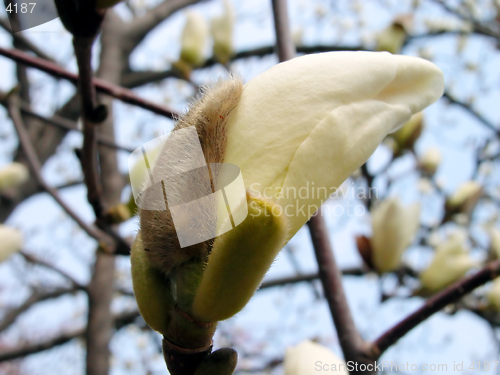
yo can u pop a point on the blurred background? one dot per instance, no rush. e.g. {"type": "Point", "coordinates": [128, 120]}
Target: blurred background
{"type": "Point", "coordinates": [437, 177]}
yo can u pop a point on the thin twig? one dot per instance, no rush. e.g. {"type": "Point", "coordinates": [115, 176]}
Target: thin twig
{"type": "Point", "coordinates": [36, 168]}
{"type": "Point", "coordinates": [37, 296]}
{"type": "Point", "coordinates": [104, 87]}
{"type": "Point", "coordinates": [472, 111]}
{"type": "Point", "coordinates": [433, 305]}
{"type": "Point", "coordinates": [120, 320]}
{"type": "Point", "coordinates": [66, 124]}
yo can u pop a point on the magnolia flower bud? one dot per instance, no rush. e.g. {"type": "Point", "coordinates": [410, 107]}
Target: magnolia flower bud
{"type": "Point", "coordinates": [194, 39]}
{"type": "Point", "coordinates": [325, 114]}
{"type": "Point", "coordinates": [11, 241]}
{"type": "Point", "coordinates": [451, 262]}
{"type": "Point", "coordinates": [464, 199]}
{"type": "Point", "coordinates": [106, 3]}
{"type": "Point", "coordinates": [222, 33]}
{"type": "Point", "coordinates": [495, 241]}
{"type": "Point", "coordinates": [408, 134]}
{"type": "Point", "coordinates": [430, 160]}
{"type": "Point", "coordinates": [13, 175]}
{"type": "Point", "coordinates": [394, 227]}
{"type": "Point", "coordinates": [392, 38]}
{"type": "Point", "coordinates": [307, 358]}
{"type": "Point", "coordinates": [493, 295]}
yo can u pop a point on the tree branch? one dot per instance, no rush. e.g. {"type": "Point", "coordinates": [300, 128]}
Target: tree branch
{"type": "Point", "coordinates": [35, 297]}
{"type": "Point", "coordinates": [120, 320]}
{"type": "Point", "coordinates": [23, 41]}
{"type": "Point", "coordinates": [433, 305]}
{"type": "Point", "coordinates": [36, 169]}
{"type": "Point", "coordinates": [473, 112]}
{"type": "Point", "coordinates": [104, 87]}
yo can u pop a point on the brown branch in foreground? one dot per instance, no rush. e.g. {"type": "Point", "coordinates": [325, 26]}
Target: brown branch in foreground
{"type": "Point", "coordinates": [104, 87]}
{"type": "Point", "coordinates": [36, 168]}
{"type": "Point", "coordinates": [433, 305]}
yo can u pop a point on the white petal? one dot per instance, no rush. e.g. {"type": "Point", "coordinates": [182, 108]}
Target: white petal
{"type": "Point", "coordinates": [317, 118]}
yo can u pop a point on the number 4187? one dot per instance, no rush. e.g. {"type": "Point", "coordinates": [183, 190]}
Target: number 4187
{"type": "Point", "coordinates": [23, 8]}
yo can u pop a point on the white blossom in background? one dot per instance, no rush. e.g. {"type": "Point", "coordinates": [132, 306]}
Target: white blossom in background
{"type": "Point", "coordinates": [430, 160]}
{"type": "Point", "coordinates": [394, 226]}
{"type": "Point", "coordinates": [194, 38]}
{"type": "Point", "coordinates": [13, 175]}
{"type": "Point", "coordinates": [451, 262]}
{"type": "Point", "coordinates": [222, 33]}
{"type": "Point", "coordinates": [307, 358]}
{"type": "Point", "coordinates": [11, 241]}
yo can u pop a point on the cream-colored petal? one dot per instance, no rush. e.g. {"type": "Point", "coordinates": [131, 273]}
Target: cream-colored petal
{"type": "Point", "coordinates": [308, 358]}
{"type": "Point", "coordinates": [319, 117]}
{"type": "Point", "coordinates": [332, 151]}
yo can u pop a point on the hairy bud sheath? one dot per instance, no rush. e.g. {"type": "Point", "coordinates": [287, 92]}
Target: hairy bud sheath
{"type": "Point", "coordinates": [210, 116]}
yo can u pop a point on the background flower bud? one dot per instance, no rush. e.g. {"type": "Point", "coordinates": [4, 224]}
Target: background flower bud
{"type": "Point", "coordinates": [430, 160]}
{"type": "Point", "coordinates": [493, 295]}
{"type": "Point", "coordinates": [392, 38]}
{"type": "Point", "coordinates": [394, 227]}
{"type": "Point", "coordinates": [194, 39]}
{"type": "Point", "coordinates": [451, 262]}
{"type": "Point", "coordinates": [495, 241]}
{"type": "Point", "coordinates": [13, 175]}
{"type": "Point", "coordinates": [406, 136]}
{"type": "Point", "coordinates": [11, 241]}
{"type": "Point", "coordinates": [302, 360]}
{"type": "Point", "coordinates": [464, 199]}
{"type": "Point", "coordinates": [222, 33]}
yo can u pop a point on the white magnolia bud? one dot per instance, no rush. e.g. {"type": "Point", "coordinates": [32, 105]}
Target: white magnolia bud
{"type": "Point", "coordinates": [11, 241]}
{"type": "Point", "coordinates": [493, 294]}
{"type": "Point", "coordinates": [394, 227]}
{"type": "Point", "coordinates": [194, 39]}
{"type": "Point", "coordinates": [222, 33]}
{"type": "Point", "coordinates": [465, 197]}
{"type": "Point", "coordinates": [304, 359]}
{"type": "Point", "coordinates": [451, 262]}
{"type": "Point", "coordinates": [430, 160]}
{"type": "Point", "coordinates": [393, 37]}
{"type": "Point", "coordinates": [495, 241]}
{"type": "Point", "coordinates": [13, 175]}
